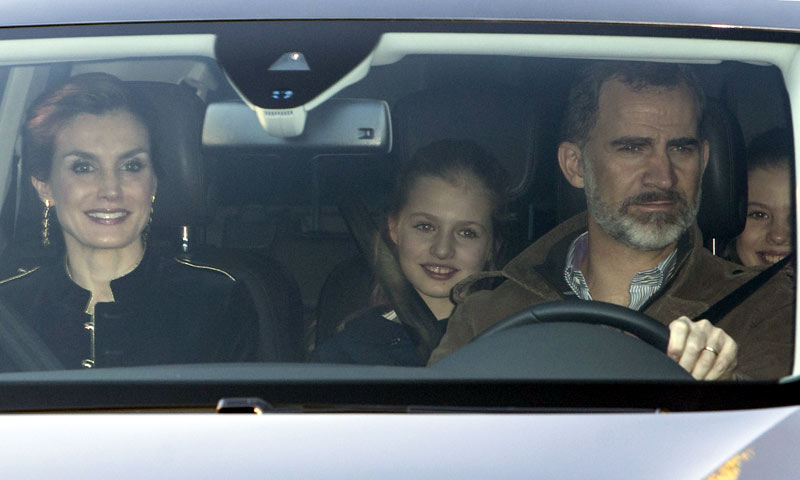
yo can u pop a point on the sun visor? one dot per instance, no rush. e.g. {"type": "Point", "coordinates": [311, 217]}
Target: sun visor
{"type": "Point", "coordinates": [338, 125]}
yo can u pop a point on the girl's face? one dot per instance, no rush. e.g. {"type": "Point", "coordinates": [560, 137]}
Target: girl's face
{"type": "Point", "coordinates": [766, 238]}
{"type": "Point", "coordinates": [101, 181]}
{"type": "Point", "coordinates": [443, 235]}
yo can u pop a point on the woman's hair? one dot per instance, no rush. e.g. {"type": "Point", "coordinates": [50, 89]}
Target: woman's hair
{"type": "Point", "coordinates": [92, 93]}
{"type": "Point", "coordinates": [771, 149]}
{"type": "Point", "coordinates": [456, 161]}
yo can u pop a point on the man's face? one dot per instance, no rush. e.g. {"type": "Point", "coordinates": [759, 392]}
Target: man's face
{"type": "Point", "coordinates": [642, 165]}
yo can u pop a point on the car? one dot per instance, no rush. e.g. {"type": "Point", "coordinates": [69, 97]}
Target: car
{"type": "Point", "coordinates": [280, 129]}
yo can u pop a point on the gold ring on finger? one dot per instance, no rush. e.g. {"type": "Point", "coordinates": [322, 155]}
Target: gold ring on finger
{"type": "Point", "coordinates": [711, 349]}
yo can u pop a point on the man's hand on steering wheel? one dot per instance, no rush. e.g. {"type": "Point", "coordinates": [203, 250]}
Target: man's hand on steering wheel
{"type": "Point", "coordinates": [702, 349]}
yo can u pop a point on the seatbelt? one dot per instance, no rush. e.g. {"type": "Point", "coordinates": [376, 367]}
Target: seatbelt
{"type": "Point", "coordinates": [17, 200]}
{"type": "Point", "coordinates": [411, 310]}
{"type": "Point", "coordinates": [23, 345]}
{"type": "Point", "coordinates": [716, 312]}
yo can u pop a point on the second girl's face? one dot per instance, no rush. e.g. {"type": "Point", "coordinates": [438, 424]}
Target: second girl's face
{"type": "Point", "coordinates": [102, 181]}
{"type": "Point", "coordinates": [767, 236]}
{"type": "Point", "coordinates": [443, 234]}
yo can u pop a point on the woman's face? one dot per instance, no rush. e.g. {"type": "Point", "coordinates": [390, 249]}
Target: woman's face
{"type": "Point", "coordinates": [101, 181]}
{"type": "Point", "coordinates": [766, 238]}
{"type": "Point", "coordinates": [443, 234]}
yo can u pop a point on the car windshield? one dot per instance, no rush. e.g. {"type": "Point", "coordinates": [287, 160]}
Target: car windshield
{"type": "Point", "coordinates": [396, 203]}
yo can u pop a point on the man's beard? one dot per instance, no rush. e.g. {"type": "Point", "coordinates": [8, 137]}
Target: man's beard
{"type": "Point", "coordinates": [642, 231]}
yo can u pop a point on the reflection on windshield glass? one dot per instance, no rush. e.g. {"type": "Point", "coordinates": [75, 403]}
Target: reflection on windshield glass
{"type": "Point", "coordinates": [153, 221]}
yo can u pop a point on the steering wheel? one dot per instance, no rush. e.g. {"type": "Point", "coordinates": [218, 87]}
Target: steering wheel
{"type": "Point", "coordinates": [595, 313]}
{"type": "Point", "coordinates": [563, 341]}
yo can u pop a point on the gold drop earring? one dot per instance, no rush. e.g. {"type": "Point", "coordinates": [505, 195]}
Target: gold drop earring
{"type": "Point", "coordinates": [146, 231]}
{"type": "Point", "coordinates": [46, 224]}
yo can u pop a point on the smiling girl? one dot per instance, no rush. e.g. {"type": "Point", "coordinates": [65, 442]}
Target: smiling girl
{"type": "Point", "coordinates": [448, 204]}
{"type": "Point", "coordinates": [767, 235]}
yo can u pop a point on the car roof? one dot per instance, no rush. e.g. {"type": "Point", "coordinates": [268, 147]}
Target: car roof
{"type": "Point", "coordinates": [768, 14]}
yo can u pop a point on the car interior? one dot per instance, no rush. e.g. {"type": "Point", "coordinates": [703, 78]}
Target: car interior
{"type": "Point", "coordinates": [267, 208]}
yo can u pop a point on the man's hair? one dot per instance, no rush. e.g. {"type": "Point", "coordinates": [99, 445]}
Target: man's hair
{"type": "Point", "coordinates": [582, 105]}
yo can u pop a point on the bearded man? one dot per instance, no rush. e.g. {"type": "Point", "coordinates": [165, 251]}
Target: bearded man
{"type": "Point", "coordinates": [632, 141]}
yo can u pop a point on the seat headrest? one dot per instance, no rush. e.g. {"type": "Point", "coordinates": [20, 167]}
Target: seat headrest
{"type": "Point", "coordinates": [723, 205]}
{"type": "Point", "coordinates": [501, 120]}
{"type": "Point", "coordinates": [176, 127]}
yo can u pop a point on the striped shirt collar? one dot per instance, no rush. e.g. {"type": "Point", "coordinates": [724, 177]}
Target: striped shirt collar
{"type": "Point", "coordinates": [643, 285]}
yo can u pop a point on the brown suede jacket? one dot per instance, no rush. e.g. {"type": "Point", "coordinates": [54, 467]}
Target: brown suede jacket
{"type": "Point", "coordinates": [762, 326]}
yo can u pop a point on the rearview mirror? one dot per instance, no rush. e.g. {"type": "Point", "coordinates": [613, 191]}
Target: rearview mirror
{"type": "Point", "coordinates": [338, 125]}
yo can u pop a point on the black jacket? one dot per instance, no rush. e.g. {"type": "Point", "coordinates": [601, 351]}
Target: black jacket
{"type": "Point", "coordinates": [166, 311]}
{"type": "Point", "coordinates": [371, 339]}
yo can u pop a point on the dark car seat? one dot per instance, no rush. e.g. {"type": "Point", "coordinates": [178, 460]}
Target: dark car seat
{"type": "Point", "coordinates": [501, 120]}
{"type": "Point", "coordinates": [184, 207]}
{"type": "Point", "coordinates": [723, 206]}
